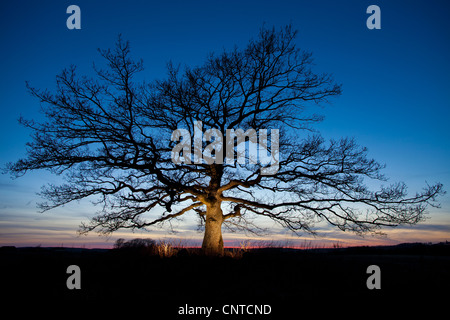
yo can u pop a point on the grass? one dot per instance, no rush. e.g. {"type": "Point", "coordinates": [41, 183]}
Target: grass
{"type": "Point", "coordinates": [173, 248]}
{"type": "Point", "coordinates": [178, 247]}
{"type": "Point", "coordinates": [171, 274]}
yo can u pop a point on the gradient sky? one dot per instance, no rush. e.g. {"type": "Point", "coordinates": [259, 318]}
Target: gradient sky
{"type": "Point", "coordinates": [395, 101]}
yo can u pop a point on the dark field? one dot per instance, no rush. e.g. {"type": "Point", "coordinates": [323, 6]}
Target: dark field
{"type": "Point", "coordinates": [291, 281]}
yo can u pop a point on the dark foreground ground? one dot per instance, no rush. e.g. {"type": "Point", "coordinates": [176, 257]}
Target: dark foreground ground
{"type": "Point", "coordinates": [413, 277]}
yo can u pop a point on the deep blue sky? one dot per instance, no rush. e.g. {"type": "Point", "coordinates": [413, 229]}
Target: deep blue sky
{"type": "Point", "coordinates": [396, 84]}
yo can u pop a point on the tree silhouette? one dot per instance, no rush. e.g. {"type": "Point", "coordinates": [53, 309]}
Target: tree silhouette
{"type": "Point", "coordinates": [111, 137]}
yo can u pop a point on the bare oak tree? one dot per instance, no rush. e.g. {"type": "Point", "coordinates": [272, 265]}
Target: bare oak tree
{"type": "Point", "coordinates": [110, 137]}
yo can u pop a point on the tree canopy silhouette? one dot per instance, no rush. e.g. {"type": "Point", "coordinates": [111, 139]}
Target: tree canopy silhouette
{"type": "Point", "coordinates": [111, 137]}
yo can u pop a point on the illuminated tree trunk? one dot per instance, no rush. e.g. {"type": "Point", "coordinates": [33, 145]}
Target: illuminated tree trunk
{"type": "Point", "coordinates": [212, 240]}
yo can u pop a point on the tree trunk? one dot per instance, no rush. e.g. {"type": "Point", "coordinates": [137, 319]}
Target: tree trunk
{"type": "Point", "coordinates": [212, 240]}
